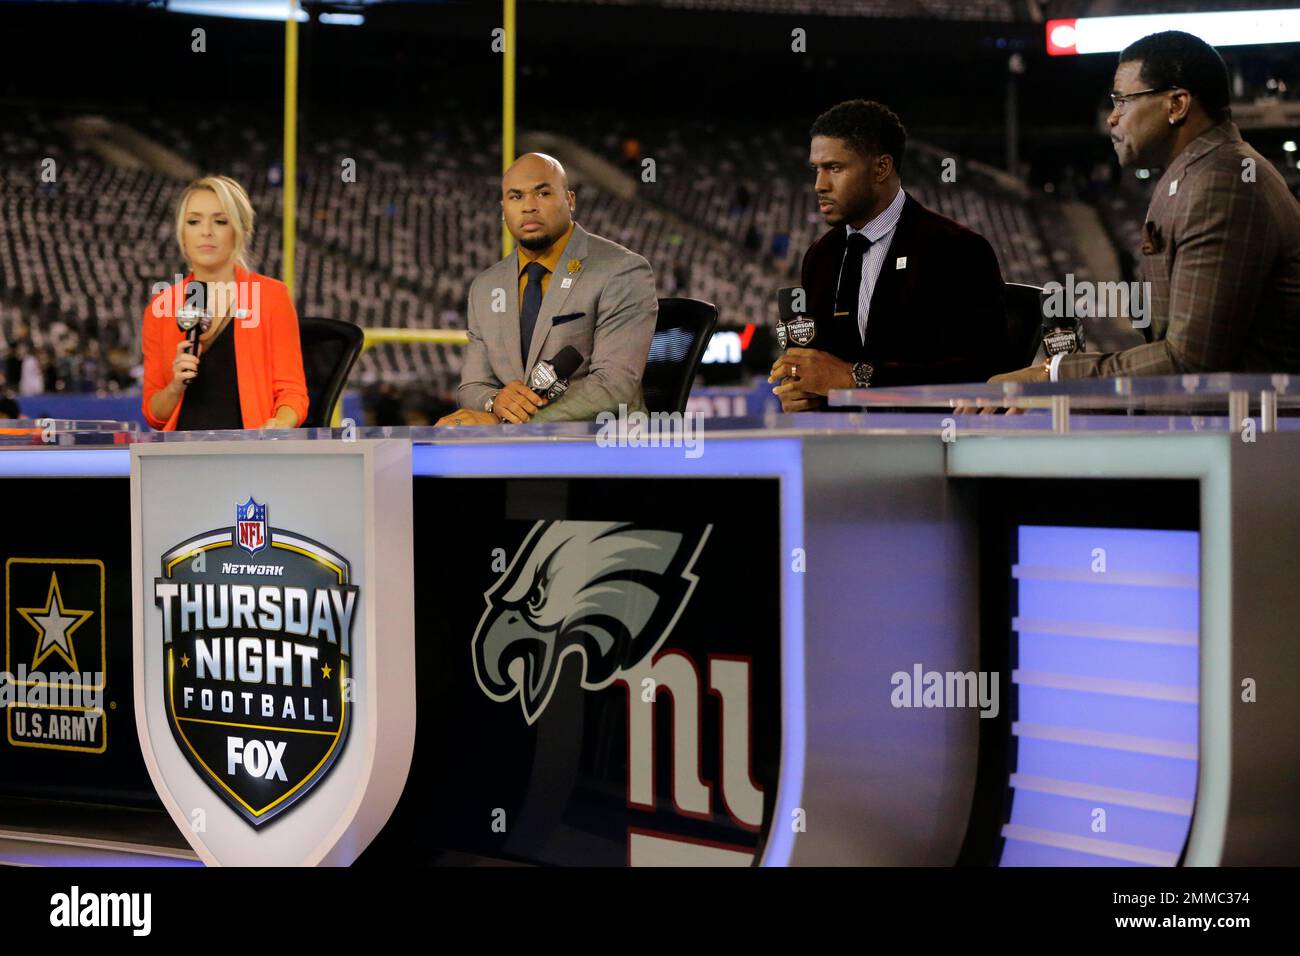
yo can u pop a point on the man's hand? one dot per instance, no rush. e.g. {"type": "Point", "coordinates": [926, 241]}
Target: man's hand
{"type": "Point", "coordinates": [516, 403]}
{"type": "Point", "coordinates": [1034, 373]}
{"type": "Point", "coordinates": [815, 372]}
{"type": "Point", "coordinates": [794, 399]}
{"type": "Point", "coordinates": [467, 416]}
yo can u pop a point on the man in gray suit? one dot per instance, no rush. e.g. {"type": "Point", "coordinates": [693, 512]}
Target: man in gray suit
{"type": "Point", "coordinates": [563, 287]}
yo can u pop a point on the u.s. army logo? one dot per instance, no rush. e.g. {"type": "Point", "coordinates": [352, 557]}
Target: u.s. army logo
{"type": "Point", "coordinates": [256, 660]}
{"type": "Point", "coordinates": [52, 686]}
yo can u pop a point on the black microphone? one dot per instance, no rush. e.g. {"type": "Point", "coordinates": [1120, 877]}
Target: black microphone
{"type": "Point", "coordinates": [1062, 335]}
{"type": "Point", "coordinates": [783, 311]}
{"type": "Point", "coordinates": [551, 379]}
{"type": "Point", "coordinates": [193, 318]}
{"type": "Point", "coordinates": [793, 324]}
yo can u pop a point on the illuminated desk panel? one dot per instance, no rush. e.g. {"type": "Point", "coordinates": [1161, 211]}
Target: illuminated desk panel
{"type": "Point", "coordinates": [868, 553]}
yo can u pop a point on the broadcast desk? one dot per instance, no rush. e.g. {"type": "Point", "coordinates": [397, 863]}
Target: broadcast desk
{"type": "Point", "coordinates": [853, 638]}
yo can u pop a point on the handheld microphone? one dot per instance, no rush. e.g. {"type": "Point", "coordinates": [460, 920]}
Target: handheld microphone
{"type": "Point", "coordinates": [551, 379]}
{"type": "Point", "coordinates": [1062, 335]}
{"type": "Point", "coordinates": [793, 325]}
{"type": "Point", "coordinates": [193, 318]}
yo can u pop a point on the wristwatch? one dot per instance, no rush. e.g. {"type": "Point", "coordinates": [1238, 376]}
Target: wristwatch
{"type": "Point", "coordinates": [862, 373]}
{"type": "Point", "coordinates": [487, 406]}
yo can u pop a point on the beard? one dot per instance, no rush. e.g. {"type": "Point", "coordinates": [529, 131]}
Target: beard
{"type": "Point", "coordinates": [534, 243]}
{"type": "Point", "coordinates": [850, 209]}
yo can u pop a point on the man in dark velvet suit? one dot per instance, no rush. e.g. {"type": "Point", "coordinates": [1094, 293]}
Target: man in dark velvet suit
{"type": "Point", "coordinates": [900, 295]}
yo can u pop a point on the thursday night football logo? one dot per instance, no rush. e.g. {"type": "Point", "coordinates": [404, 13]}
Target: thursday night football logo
{"type": "Point", "coordinates": [256, 645]}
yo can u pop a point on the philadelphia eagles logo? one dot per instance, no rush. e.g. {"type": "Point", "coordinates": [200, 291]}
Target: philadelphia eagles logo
{"type": "Point", "coordinates": [606, 591]}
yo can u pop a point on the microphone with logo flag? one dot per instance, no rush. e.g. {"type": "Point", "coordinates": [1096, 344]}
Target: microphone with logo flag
{"type": "Point", "coordinates": [193, 318]}
{"type": "Point", "coordinates": [550, 379]}
{"type": "Point", "coordinates": [1062, 335]}
{"type": "Point", "coordinates": [793, 324]}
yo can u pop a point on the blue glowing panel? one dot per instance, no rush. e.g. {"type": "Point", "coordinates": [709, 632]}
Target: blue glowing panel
{"type": "Point", "coordinates": [1024, 853]}
{"type": "Point", "coordinates": [1106, 696]}
{"type": "Point", "coordinates": [65, 463]}
{"type": "Point", "coordinates": [1122, 660]}
{"type": "Point", "coordinates": [1095, 768]}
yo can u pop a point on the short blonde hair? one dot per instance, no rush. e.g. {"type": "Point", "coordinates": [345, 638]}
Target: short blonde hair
{"type": "Point", "coordinates": [234, 203]}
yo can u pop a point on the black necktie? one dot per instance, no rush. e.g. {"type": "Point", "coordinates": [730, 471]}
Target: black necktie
{"type": "Point", "coordinates": [846, 297]}
{"type": "Point", "coordinates": [529, 307]}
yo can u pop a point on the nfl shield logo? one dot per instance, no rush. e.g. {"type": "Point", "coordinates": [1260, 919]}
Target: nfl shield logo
{"type": "Point", "coordinates": [250, 526]}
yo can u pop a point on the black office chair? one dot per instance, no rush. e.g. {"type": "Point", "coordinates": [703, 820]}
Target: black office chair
{"type": "Point", "coordinates": [682, 334]}
{"type": "Point", "coordinates": [1024, 309]}
{"type": "Point", "coordinates": [329, 349]}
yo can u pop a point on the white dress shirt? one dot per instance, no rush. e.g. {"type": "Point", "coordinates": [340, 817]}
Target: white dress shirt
{"type": "Point", "coordinates": [1054, 370]}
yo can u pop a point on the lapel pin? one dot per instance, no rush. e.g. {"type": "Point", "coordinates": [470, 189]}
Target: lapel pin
{"type": "Point", "coordinates": [901, 263]}
{"type": "Point", "coordinates": [1173, 186]}
{"type": "Point", "coordinates": [566, 282]}
{"type": "Point", "coordinates": [573, 266]}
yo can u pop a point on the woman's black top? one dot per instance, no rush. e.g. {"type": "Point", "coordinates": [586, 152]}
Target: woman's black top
{"type": "Point", "coordinates": [211, 399]}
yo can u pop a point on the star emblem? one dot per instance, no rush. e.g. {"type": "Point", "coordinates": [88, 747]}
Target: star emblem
{"type": "Point", "coordinates": [185, 660]}
{"type": "Point", "coordinates": [325, 672]}
{"type": "Point", "coordinates": [55, 624]}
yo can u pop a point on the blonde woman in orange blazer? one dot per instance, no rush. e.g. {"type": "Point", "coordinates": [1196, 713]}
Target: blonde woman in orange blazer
{"type": "Point", "coordinates": [251, 355]}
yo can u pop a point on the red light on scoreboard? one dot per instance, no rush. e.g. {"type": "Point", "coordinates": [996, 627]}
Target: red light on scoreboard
{"type": "Point", "coordinates": [1062, 36]}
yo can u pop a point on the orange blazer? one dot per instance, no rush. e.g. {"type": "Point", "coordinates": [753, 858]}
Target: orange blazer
{"type": "Point", "coordinates": [268, 350]}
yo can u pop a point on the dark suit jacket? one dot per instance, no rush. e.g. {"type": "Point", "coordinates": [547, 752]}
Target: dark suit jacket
{"type": "Point", "coordinates": [939, 318]}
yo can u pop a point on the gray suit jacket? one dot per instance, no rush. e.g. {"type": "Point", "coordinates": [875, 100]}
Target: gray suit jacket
{"type": "Point", "coordinates": [607, 312]}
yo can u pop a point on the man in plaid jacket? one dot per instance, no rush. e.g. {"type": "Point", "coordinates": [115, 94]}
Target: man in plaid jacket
{"type": "Point", "coordinates": [1221, 241]}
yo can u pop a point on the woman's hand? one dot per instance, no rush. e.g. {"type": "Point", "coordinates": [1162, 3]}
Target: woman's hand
{"type": "Point", "coordinates": [284, 417]}
{"type": "Point", "coordinates": [184, 366]}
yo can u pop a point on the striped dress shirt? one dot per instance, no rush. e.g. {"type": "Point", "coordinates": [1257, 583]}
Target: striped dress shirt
{"type": "Point", "coordinates": [880, 232]}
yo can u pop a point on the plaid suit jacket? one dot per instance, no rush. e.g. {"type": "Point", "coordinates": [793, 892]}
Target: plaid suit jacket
{"type": "Point", "coordinates": [1221, 252]}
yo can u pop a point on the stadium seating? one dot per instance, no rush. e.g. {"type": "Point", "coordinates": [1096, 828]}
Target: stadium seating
{"type": "Point", "coordinates": [396, 245]}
